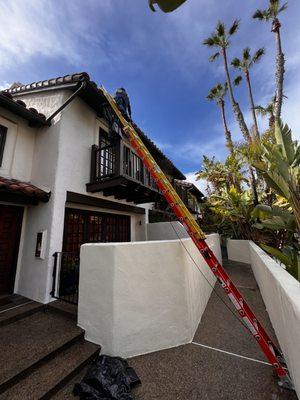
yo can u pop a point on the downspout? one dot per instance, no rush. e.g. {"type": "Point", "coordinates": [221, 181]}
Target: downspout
{"type": "Point", "coordinates": [68, 101]}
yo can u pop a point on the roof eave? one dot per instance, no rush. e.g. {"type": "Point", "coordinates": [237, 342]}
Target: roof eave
{"type": "Point", "coordinates": [33, 119]}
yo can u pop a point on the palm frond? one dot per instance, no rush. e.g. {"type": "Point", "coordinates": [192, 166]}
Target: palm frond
{"type": "Point", "coordinates": [234, 27]}
{"type": "Point", "coordinates": [210, 41]}
{"type": "Point", "coordinates": [261, 15]}
{"type": "Point", "coordinates": [237, 80]}
{"type": "Point", "coordinates": [283, 136]}
{"type": "Point", "coordinates": [246, 53]}
{"type": "Point", "coordinates": [261, 110]}
{"type": "Point", "coordinates": [282, 8]}
{"type": "Point", "coordinates": [236, 62]}
{"type": "Point", "coordinates": [220, 29]}
{"type": "Point", "coordinates": [258, 55]}
{"type": "Point", "coordinates": [213, 57]}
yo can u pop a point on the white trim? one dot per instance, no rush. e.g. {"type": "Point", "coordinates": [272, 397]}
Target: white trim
{"type": "Point", "coordinates": [231, 354]}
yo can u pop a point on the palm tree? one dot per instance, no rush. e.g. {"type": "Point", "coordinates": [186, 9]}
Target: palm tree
{"type": "Point", "coordinates": [217, 94]}
{"type": "Point", "coordinates": [271, 14]}
{"type": "Point", "coordinates": [220, 39]}
{"type": "Point", "coordinates": [244, 64]}
{"type": "Point", "coordinates": [267, 111]}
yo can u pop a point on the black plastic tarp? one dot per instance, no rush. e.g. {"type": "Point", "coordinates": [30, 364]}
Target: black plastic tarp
{"type": "Point", "coordinates": [106, 379]}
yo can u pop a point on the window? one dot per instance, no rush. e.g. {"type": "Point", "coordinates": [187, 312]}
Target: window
{"type": "Point", "coordinates": [107, 155]}
{"type": "Point", "coordinates": [3, 131]}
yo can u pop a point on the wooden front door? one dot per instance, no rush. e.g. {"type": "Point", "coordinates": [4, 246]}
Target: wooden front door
{"type": "Point", "coordinates": [10, 231]}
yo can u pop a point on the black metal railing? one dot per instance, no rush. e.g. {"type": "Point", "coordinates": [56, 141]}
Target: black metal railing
{"type": "Point", "coordinates": [116, 159]}
{"type": "Point", "coordinates": [66, 276]}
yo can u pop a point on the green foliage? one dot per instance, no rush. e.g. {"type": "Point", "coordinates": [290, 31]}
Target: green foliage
{"type": "Point", "coordinates": [234, 206]}
{"type": "Point", "coordinates": [217, 93]}
{"type": "Point", "coordinates": [274, 218]}
{"type": "Point", "coordinates": [279, 164]}
{"type": "Point", "coordinates": [247, 62]}
{"type": "Point", "coordinates": [289, 256]}
{"type": "Point", "coordinates": [222, 175]}
{"type": "Point", "coordinates": [271, 12]}
{"type": "Point", "coordinates": [220, 37]}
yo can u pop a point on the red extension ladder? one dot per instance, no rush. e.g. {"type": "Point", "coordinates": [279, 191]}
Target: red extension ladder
{"type": "Point", "coordinates": [272, 353]}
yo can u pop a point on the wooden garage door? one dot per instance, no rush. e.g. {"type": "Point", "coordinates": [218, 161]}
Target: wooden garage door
{"type": "Point", "coordinates": [83, 226]}
{"type": "Point", "coordinates": [10, 230]}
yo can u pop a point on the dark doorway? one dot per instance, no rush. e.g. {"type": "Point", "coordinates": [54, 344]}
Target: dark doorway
{"type": "Point", "coordinates": [10, 231]}
{"type": "Point", "coordinates": [83, 226]}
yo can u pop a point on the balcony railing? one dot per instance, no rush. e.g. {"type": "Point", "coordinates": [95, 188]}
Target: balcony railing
{"type": "Point", "coordinates": [114, 160]}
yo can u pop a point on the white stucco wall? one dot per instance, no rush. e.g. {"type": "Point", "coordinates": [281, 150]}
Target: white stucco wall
{"type": "Point", "coordinates": [281, 295]}
{"type": "Point", "coordinates": [166, 231]}
{"type": "Point", "coordinates": [136, 298]}
{"type": "Point", "coordinates": [238, 250]}
{"type": "Point", "coordinates": [59, 161]}
{"type": "Point", "coordinates": [19, 147]}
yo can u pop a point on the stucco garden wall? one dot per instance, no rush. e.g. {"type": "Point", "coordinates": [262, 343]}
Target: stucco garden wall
{"type": "Point", "coordinates": [166, 231]}
{"type": "Point", "coordinates": [238, 250]}
{"type": "Point", "coordinates": [281, 294]}
{"type": "Point", "coordinates": [140, 297]}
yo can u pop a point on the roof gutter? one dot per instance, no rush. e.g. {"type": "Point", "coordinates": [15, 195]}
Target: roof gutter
{"type": "Point", "coordinates": [68, 101]}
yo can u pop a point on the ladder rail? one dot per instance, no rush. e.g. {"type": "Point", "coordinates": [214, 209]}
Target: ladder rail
{"type": "Point", "coordinates": [270, 350]}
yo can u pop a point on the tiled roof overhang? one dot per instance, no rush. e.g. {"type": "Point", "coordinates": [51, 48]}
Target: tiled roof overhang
{"type": "Point", "coordinates": [192, 189]}
{"type": "Point", "coordinates": [19, 108]}
{"type": "Point", "coordinates": [24, 191]}
{"type": "Point", "coordinates": [95, 98]}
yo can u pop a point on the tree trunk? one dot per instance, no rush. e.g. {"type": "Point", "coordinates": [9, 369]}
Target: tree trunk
{"type": "Point", "coordinates": [228, 138]}
{"type": "Point", "coordinates": [236, 108]}
{"type": "Point", "coordinates": [253, 186]}
{"type": "Point", "coordinates": [252, 104]}
{"type": "Point", "coordinates": [279, 75]}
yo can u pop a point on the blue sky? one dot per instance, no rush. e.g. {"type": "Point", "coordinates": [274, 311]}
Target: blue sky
{"type": "Point", "coordinates": [157, 57]}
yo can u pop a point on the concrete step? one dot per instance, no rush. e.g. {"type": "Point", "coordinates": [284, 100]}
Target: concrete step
{"type": "Point", "coordinates": [19, 311]}
{"type": "Point", "coordinates": [29, 343]}
{"type": "Point", "coordinates": [62, 307]}
{"type": "Point", "coordinates": [66, 393]}
{"type": "Point", "coordinates": [44, 382]}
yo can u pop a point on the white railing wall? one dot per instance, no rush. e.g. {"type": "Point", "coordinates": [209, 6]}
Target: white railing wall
{"type": "Point", "coordinates": [140, 297]}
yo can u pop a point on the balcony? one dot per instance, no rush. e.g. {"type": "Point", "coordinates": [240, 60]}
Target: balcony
{"type": "Point", "coordinates": [117, 171]}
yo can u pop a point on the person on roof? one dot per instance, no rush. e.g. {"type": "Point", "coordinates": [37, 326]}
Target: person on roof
{"type": "Point", "coordinates": [123, 102]}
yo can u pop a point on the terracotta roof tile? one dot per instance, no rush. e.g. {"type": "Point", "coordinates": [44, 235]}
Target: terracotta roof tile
{"type": "Point", "coordinates": [24, 188]}
{"type": "Point", "coordinates": [61, 80]}
{"type": "Point", "coordinates": [19, 107]}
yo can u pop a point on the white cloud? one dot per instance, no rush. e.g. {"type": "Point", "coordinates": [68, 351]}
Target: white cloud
{"type": "Point", "coordinates": [291, 107]}
{"type": "Point", "coordinates": [46, 28]}
{"type": "Point", "coordinates": [4, 85]}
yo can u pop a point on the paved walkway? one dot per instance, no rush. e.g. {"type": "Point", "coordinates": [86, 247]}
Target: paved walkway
{"type": "Point", "coordinates": [224, 362]}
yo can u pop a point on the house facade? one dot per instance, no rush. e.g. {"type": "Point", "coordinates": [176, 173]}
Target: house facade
{"type": "Point", "coordinates": [68, 176]}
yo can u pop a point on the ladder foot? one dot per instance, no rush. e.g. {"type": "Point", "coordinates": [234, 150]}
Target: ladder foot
{"type": "Point", "coordinates": [286, 383]}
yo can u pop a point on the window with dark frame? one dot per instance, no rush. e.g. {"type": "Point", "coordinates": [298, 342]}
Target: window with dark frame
{"type": "Point", "coordinates": [3, 133]}
{"type": "Point", "coordinates": [107, 156]}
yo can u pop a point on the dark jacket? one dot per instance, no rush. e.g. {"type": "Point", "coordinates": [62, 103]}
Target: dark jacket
{"type": "Point", "coordinates": [123, 102]}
